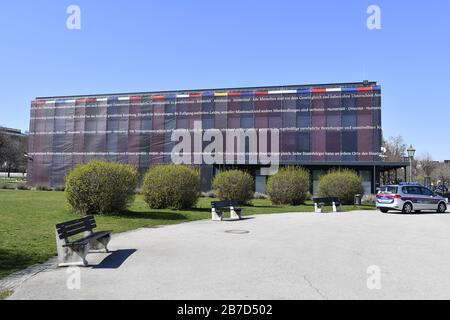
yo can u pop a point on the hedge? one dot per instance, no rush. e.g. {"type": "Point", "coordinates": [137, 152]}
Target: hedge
{"type": "Point", "coordinates": [234, 185]}
{"type": "Point", "coordinates": [171, 187]}
{"type": "Point", "coordinates": [101, 187]}
{"type": "Point", "coordinates": [344, 184]}
{"type": "Point", "coordinates": [290, 186]}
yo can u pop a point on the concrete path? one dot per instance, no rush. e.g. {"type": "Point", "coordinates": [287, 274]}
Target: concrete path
{"type": "Point", "coordinates": [287, 256]}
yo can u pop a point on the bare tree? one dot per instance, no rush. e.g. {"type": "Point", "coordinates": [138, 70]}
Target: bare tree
{"type": "Point", "coordinates": [395, 151]}
{"type": "Point", "coordinates": [427, 164]}
{"type": "Point", "coordinates": [395, 148]}
{"type": "Point", "coordinates": [425, 168]}
{"type": "Point", "coordinates": [3, 144]}
{"type": "Point", "coordinates": [12, 150]}
{"type": "Point", "coordinates": [442, 174]}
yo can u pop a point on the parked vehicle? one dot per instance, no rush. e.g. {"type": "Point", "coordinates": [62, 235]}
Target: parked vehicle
{"type": "Point", "coordinates": [409, 198]}
{"type": "Point", "coordinates": [442, 190]}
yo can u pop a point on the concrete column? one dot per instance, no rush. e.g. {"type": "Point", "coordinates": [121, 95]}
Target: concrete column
{"type": "Point", "coordinates": [260, 184]}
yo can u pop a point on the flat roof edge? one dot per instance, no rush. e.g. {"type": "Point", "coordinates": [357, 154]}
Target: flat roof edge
{"type": "Point", "coordinates": [286, 87]}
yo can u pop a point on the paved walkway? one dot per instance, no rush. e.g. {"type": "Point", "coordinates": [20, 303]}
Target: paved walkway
{"type": "Point", "coordinates": [287, 256]}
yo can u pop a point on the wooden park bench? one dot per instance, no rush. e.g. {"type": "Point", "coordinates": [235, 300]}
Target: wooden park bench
{"type": "Point", "coordinates": [218, 206]}
{"type": "Point", "coordinates": [74, 252]}
{"type": "Point", "coordinates": [320, 203]}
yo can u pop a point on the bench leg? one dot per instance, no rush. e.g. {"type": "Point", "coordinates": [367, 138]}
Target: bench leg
{"type": "Point", "coordinates": [68, 257]}
{"type": "Point", "coordinates": [217, 215]}
{"type": "Point", "coordinates": [235, 214]}
{"type": "Point", "coordinates": [318, 208]}
{"type": "Point", "coordinates": [100, 244]}
{"type": "Point", "coordinates": [337, 208]}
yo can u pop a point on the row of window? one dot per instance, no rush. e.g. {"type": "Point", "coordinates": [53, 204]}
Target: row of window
{"type": "Point", "coordinates": [416, 190]}
{"type": "Point", "coordinates": [301, 142]}
{"type": "Point", "coordinates": [208, 122]}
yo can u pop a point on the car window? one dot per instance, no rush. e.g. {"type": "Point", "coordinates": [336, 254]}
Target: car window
{"type": "Point", "coordinates": [388, 189]}
{"type": "Point", "coordinates": [414, 190]}
{"type": "Point", "coordinates": [426, 192]}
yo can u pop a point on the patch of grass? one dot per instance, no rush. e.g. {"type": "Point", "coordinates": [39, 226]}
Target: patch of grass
{"type": "Point", "coordinates": [5, 294]}
{"type": "Point", "coordinates": [28, 218]}
{"type": "Point", "coordinates": [12, 180]}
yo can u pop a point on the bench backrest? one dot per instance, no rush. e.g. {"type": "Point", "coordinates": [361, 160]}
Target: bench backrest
{"type": "Point", "coordinates": [328, 200]}
{"type": "Point", "coordinates": [74, 227]}
{"type": "Point", "coordinates": [224, 204]}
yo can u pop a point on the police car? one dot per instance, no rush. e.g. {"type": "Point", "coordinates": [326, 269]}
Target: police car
{"type": "Point", "coordinates": [409, 198]}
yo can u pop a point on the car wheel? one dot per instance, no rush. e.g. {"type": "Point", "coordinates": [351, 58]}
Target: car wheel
{"type": "Point", "coordinates": [442, 208]}
{"type": "Point", "coordinates": [407, 208]}
{"type": "Point", "coordinates": [384, 210]}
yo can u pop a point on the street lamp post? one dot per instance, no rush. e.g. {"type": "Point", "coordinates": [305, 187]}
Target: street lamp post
{"type": "Point", "coordinates": [411, 152]}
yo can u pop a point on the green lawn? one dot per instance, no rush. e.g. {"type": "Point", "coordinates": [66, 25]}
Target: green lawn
{"type": "Point", "coordinates": [4, 294]}
{"type": "Point", "coordinates": [27, 220]}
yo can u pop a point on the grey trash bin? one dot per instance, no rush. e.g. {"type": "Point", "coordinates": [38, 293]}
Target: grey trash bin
{"type": "Point", "coordinates": [358, 199]}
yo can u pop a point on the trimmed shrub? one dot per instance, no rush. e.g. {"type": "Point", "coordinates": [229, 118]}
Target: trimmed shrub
{"type": "Point", "coordinates": [101, 187]}
{"type": "Point", "coordinates": [171, 186]}
{"type": "Point", "coordinates": [234, 185]}
{"type": "Point", "coordinates": [289, 186]}
{"type": "Point", "coordinates": [344, 184]}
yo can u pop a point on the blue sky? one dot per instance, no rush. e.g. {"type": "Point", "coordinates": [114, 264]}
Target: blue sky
{"type": "Point", "coordinates": [137, 45]}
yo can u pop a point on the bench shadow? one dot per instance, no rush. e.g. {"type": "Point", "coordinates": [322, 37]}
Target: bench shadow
{"type": "Point", "coordinates": [160, 215]}
{"type": "Point", "coordinates": [153, 215]}
{"type": "Point", "coordinates": [279, 207]}
{"type": "Point", "coordinates": [235, 220]}
{"type": "Point", "coordinates": [201, 209]}
{"type": "Point", "coordinates": [115, 259]}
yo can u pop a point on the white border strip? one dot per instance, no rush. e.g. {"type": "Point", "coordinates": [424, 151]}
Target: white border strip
{"type": "Point", "coordinates": [216, 94]}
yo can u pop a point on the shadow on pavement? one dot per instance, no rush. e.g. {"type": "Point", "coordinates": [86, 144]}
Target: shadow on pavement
{"type": "Point", "coordinates": [235, 220]}
{"type": "Point", "coordinates": [115, 259]}
{"type": "Point", "coordinates": [154, 215]}
{"type": "Point", "coordinates": [423, 213]}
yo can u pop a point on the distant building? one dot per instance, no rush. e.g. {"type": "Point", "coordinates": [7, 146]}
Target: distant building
{"type": "Point", "coordinates": [321, 127]}
{"type": "Point", "coordinates": [11, 132]}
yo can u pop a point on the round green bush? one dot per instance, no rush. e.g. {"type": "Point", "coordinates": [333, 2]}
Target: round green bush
{"type": "Point", "coordinates": [343, 184]}
{"type": "Point", "coordinates": [289, 186]}
{"type": "Point", "coordinates": [171, 186]}
{"type": "Point", "coordinates": [101, 187]}
{"type": "Point", "coordinates": [234, 185]}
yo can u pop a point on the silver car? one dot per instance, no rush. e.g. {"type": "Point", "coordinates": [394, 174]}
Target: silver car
{"type": "Point", "coordinates": [409, 198]}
